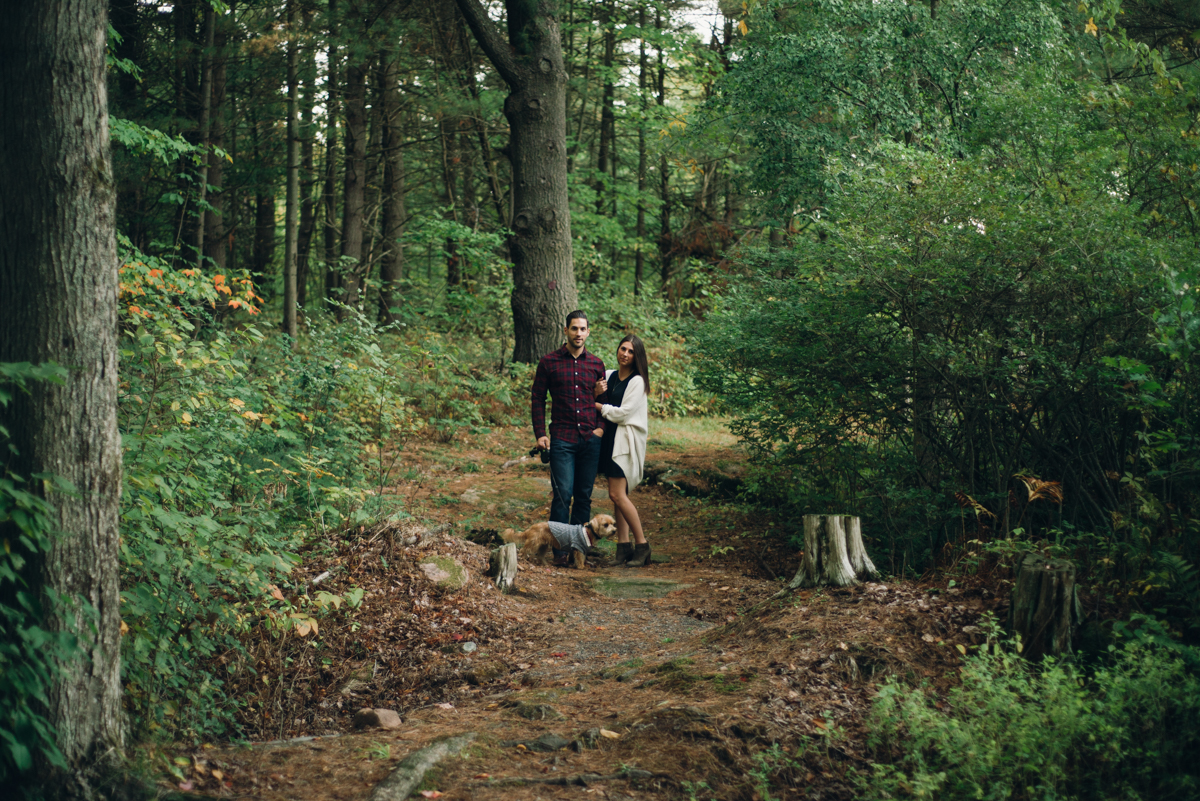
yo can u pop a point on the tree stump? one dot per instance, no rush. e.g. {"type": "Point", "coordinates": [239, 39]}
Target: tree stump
{"type": "Point", "coordinates": [502, 566]}
{"type": "Point", "coordinates": [1044, 607]}
{"type": "Point", "coordinates": [834, 554]}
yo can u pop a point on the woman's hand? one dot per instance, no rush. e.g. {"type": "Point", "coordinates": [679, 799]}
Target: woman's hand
{"type": "Point", "coordinates": [601, 387]}
{"type": "Point", "coordinates": [600, 407]}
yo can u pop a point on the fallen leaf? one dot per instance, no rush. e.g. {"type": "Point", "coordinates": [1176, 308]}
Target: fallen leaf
{"type": "Point", "coordinates": [185, 786]}
{"type": "Point", "coordinates": [599, 628]}
{"type": "Point", "coordinates": [431, 794]}
{"type": "Point", "coordinates": [274, 592]}
{"type": "Point", "coordinates": [218, 775]}
{"type": "Point", "coordinates": [445, 706]}
{"type": "Point", "coordinates": [558, 653]}
{"type": "Point", "coordinates": [483, 776]}
{"type": "Point", "coordinates": [612, 735]}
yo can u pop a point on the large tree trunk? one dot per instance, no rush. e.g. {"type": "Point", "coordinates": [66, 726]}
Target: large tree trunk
{"type": "Point", "coordinates": [58, 302]}
{"type": "Point", "coordinates": [531, 62]}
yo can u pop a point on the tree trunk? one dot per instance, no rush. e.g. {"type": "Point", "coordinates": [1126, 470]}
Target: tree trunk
{"type": "Point", "coordinates": [664, 176]}
{"type": "Point", "coordinates": [1044, 607]}
{"type": "Point", "coordinates": [639, 264]}
{"type": "Point", "coordinates": [502, 566]}
{"type": "Point", "coordinates": [292, 209]}
{"type": "Point", "coordinates": [216, 227]}
{"type": "Point", "coordinates": [834, 554]}
{"type": "Point", "coordinates": [531, 62]}
{"type": "Point", "coordinates": [210, 27]}
{"type": "Point", "coordinates": [354, 182]}
{"type": "Point", "coordinates": [308, 203]}
{"type": "Point", "coordinates": [329, 189]}
{"type": "Point", "coordinates": [58, 302]}
{"type": "Point", "coordinates": [391, 268]}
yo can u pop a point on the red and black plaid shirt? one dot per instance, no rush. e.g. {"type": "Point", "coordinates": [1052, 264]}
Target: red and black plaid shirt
{"type": "Point", "coordinates": [571, 383]}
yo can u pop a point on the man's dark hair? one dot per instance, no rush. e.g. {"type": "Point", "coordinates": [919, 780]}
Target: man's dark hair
{"type": "Point", "coordinates": [575, 315]}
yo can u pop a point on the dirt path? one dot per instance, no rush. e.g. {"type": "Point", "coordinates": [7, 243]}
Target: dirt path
{"type": "Point", "coordinates": [671, 681]}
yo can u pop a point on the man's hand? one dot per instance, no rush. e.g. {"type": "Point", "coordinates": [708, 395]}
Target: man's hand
{"type": "Point", "coordinates": [599, 432]}
{"type": "Point", "coordinates": [601, 387]}
{"type": "Point", "coordinates": [544, 443]}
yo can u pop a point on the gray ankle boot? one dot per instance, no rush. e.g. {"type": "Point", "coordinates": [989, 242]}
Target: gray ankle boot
{"type": "Point", "coordinates": [641, 556]}
{"type": "Point", "coordinates": [624, 551]}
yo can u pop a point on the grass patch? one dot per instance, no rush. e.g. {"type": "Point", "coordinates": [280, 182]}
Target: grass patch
{"type": "Point", "coordinates": [678, 433]}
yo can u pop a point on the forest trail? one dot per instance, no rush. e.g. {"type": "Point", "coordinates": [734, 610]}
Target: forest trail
{"type": "Point", "coordinates": [670, 681]}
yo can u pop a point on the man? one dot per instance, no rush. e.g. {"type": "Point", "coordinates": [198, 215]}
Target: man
{"type": "Point", "coordinates": [570, 374]}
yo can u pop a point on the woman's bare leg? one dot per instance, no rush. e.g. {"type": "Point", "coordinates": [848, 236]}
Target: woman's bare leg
{"type": "Point", "coordinates": [628, 513]}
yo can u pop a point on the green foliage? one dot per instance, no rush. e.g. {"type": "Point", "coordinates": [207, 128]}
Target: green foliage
{"type": "Point", "coordinates": [33, 652]}
{"type": "Point", "coordinates": [1015, 731]}
{"type": "Point", "coordinates": [821, 80]}
{"type": "Point", "coordinates": [236, 445]}
{"type": "Point", "coordinates": [946, 332]}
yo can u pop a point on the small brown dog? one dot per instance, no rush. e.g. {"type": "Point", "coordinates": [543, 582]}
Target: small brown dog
{"type": "Point", "coordinates": [537, 540]}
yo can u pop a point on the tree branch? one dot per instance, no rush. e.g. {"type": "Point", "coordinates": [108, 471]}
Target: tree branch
{"type": "Point", "coordinates": [491, 40]}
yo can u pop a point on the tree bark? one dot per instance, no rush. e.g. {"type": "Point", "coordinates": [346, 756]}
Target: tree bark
{"type": "Point", "coordinates": [1044, 607]}
{"type": "Point", "coordinates": [58, 302]}
{"type": "Point", "coordinates": [531, 62]}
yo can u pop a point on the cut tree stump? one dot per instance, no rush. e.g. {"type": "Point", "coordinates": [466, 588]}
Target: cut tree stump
{"type": "Point", "coordinates": [1044, 607]}
{"type": "Point", "coordinates": [502, 567]}
{"type": "Point", "coordinates": [834, 554]}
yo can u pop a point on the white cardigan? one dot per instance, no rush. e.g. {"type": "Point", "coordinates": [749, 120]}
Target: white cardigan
{"type": "Point", "coordinates": [632, 418]}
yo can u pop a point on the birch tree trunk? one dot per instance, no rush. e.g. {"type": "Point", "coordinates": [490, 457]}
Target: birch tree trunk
{"type": "Point", "coordinates": [58, 302]}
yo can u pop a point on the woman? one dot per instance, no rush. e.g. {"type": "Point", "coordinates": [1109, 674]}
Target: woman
{"type": "Point", "coordinates": [623, 450]}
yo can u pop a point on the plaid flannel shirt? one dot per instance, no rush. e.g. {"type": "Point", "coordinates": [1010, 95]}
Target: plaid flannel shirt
{"type": "Point", "coordinates": [571, 383]}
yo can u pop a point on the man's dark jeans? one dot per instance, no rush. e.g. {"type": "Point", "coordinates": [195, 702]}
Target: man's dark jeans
{"type": "Point", "coordinates": [572, 473]}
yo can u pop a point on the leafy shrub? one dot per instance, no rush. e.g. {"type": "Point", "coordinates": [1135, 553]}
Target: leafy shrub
{"type": "Point", "coordinates": [236, 447]}
{"type": "Point", "coordinates": [32, 653]}
{"type": "Point", "coordinates": [934, 338]}
{"type": "Point", "coordinates": [1130, 730]}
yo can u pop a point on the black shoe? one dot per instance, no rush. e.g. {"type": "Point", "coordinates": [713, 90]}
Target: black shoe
{"type": "Point", "coordinates": [640, 557]}
{"type": "Point", "coordinates": [624, 551]}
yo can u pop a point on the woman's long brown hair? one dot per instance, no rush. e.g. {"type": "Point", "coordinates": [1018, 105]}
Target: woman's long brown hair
{"type": "Point", "coordinates": [641, 364]}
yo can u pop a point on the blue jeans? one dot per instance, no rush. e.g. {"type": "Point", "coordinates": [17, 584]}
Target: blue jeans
{"type": "Point", "coordinates": [572, 474]}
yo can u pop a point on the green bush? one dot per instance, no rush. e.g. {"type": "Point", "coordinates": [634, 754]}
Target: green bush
{"type": "Point", "coordinates": [1012, 730]}
{"type": "Point", "coordinates": [32, 652]}
{"type": "Point", "coordinates": [238, 447]}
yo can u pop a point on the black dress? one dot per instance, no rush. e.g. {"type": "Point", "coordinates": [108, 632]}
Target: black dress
{"type": "Point", "coordinates": [613, 397]}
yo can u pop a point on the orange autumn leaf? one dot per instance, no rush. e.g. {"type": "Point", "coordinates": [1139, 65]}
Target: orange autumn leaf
{"type": "Point", "coordinates": [218, 279]}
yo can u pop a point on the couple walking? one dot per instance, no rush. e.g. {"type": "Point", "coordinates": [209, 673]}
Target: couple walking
{"type": "Point", "coordinates": [599, 422]}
